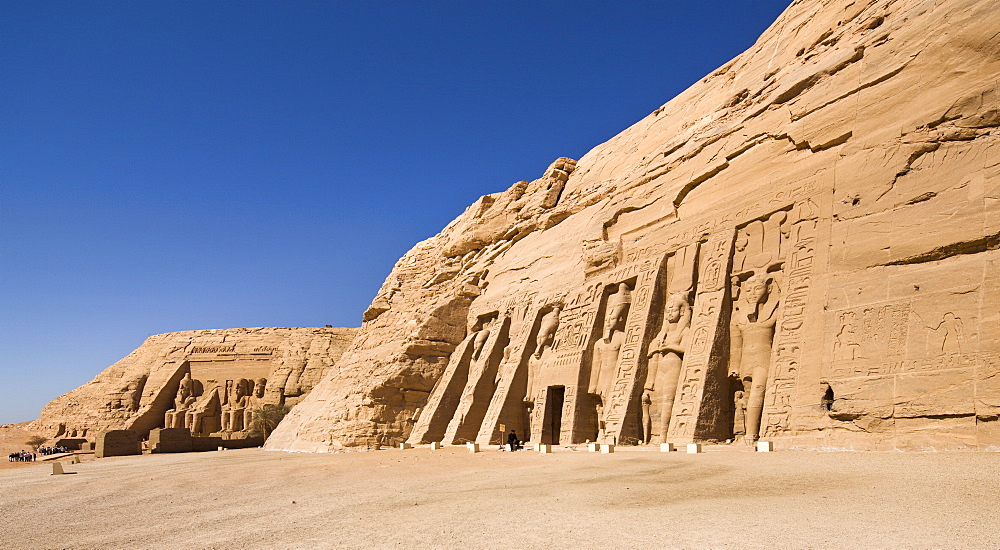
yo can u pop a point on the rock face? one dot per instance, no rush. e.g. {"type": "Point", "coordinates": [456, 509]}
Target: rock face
{"type": "Point", "coordinates": [802, 247]}
{"type": "Point", "coordinates": [209, 381]}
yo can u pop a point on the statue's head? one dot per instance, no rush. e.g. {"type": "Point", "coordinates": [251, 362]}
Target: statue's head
{"type": "Point", "coordinates": [242, 388]}
{"type": "Point", "coordinates": [758, 288]}
{"type": "Point", "coordinates": [676, 306]}
{"type": "Point", "coordinates": [258, 388]}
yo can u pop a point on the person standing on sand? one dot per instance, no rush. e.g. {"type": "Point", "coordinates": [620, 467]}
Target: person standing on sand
{"type": "Point", "coordinates": [512, 441]}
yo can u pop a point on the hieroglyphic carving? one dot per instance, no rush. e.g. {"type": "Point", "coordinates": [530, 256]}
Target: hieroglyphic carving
{"type": "Point", "coordinates": [705, 319]}
{"type": "Point", "coordinates": [624, 399]}
{"type": "Point", "coordinates": [488, 348]}
{"type": "Point", "coordinates": [869, 339]}
{"type": "Point", "coordinates": [666, 351]}
{"type": "Point", "coordinates": [790, 337]}
{"type": "Point", "coordinates": [687, 233]}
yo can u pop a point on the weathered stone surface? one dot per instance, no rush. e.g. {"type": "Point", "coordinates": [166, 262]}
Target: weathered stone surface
{"type": "Point", "coordinates": [802, 246]}
{"type": "Point", "coordinates": [170, 440]}
{"type": "Point", "coordinates": [225, 375]}
{"type": "Point", "coordinates": [117, 443]}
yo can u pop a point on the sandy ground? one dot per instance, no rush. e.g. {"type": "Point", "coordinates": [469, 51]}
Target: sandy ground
{"type": "Point", "coordinates": [450, 498]}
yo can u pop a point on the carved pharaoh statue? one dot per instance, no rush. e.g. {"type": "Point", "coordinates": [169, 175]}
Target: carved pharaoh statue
{"type": "Point", "coordinates": [608, 347]}
{"type": "Point", "coordinates": [254, 401]}
{"type": "Point", "coordinates": [543, 342]}
{"type": "Point", "coordinates": [184, 399]}
{"type": "Point", "coordinates": [236, 405]}
{"type": "Point", "coordinates": [754, 317]}
{"type": "Point", "coordinates": [666, 354]}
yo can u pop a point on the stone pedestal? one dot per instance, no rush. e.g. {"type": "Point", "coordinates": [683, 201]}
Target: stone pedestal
{"type": "Point", "coordinates": [405, 446]}
{"type": "Point", "coordinates": [170, 440]}
{"type": "Point", "coordinates": [765, 446]}
{"type": "Point", "coordinates": [607, 449]}
{"type": "Point", "coordinates": [593, 447]}
{"type": "Point", "coordinates": [544, 449]}
{"type": "Point", "coordinates": [666, 447]}
{"type": "Point", "coordinates": [117, 443]}
{"type": "Point", "coordinates": [693, 448]}
{"type": "Point", "coordinates": [435, 445]}
{"type": "Point", "coordinates": [473, 447]}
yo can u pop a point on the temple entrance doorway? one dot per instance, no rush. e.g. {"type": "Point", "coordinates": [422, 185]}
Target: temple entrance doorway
{"type": "Point", "coordinates": [552, 423]}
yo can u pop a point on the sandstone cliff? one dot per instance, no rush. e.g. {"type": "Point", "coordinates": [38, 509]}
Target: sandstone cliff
{"type": "Point", "coordinates": [801, 246]}
{"type": "Point", "coordinates": [282, 364]}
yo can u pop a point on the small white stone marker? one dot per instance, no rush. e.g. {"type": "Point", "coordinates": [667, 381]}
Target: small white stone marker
{"type": "Point", "coordinates": [405, 446]}
{"type": "Point", "coordinates": [593, 447]}
{"type": "Point", "coordinates": [510, 446]}
{"type": "Point", "coordinates": [544, 449]}
{"type": "Point", "coordinates": [537, 447]}
{"type": "Point", "coordinates": [222, 448]}
{"type": "Point", "coordinates": [694, 448]}
{"type": "Point", "coordinates": [607, 449]}
{"type": "Point", "coordinates": [57, 469]}
{"type": "Point", "coordinates": [765, 446]}
{"type": "Point", "coordinates": [666, 447]}
{"type": "Point", "coordinates": [473, 447]}
{"type": "Point", "coordinates": [75, 460]}
{"type": "Point", "coordinates": [435, 445]}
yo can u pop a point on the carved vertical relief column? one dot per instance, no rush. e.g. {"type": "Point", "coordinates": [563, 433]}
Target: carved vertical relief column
{"type": "Point", "coordinates": [506, 406]}
{"type": "Point", "coordinates": [790, 334]}
{"type": "Point", "coordinates": [440, 406]}
{"type": "Point", "coordinates": [706, 317]}
{"type": "Point", "coordinates": [622, 411]}
{"type": "Point", "coordinates": [667, 349]}
{"type": "Point", "coordinates": [487, 353]}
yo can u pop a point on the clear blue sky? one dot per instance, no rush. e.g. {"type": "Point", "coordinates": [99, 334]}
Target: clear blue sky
{"type": "Point", "coordinates": [188, 165]}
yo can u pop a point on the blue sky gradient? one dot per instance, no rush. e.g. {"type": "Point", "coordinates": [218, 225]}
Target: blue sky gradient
{"type": "Point", "coordinates": [189, 165]}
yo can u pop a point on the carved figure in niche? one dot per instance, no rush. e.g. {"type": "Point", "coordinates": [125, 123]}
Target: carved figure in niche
{"type": "Point", "coordinates": [254, 401]}
{"type": "Point", "coordinates": [666, 354]}
{"type": "Point", "coordinates": [754, 317]}
{"type": "Point", "coordinates": [845, 347]}
{"type": "Point", "coordinates": [481, 337]}
{"type": "Point", "coordinates": [204, 415]}
{"type": "Point", "coordinates": [543, 342]}
{"type": "Point", "coordinates": [185, 398]}
{"type": "Point", "coordinates": [232, 413]}
{"type": "Point", "coordinates": [607, 348]}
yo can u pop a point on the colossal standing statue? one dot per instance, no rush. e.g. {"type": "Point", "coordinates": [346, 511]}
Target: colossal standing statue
{"type": "Point", "coordinates": [607, 349]}
{"type": "Point", "coordinates": [754, 317]}
{"type": "Point", "coordinates": [666, 354]}
{"type": "Point", "coordinates": [543, 341]}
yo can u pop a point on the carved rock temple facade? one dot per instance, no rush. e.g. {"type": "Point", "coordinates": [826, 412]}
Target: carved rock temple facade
{"type": "Point", "coordinates": [804, 247]}
{"type": "Point", "coordinates": [208, 381]}
{"type": "Point", "coordinates": [801, 247]}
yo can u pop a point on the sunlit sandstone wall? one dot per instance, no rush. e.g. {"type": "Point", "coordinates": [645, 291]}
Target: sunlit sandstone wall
{"type": "Point", "coordinates": [138, 391]}
{"type": "Point", "coordinates": [800, 247]}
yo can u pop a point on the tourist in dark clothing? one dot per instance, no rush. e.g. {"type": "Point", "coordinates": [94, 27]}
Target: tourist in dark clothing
{"type": "Point", "coordinates": [512, 441]}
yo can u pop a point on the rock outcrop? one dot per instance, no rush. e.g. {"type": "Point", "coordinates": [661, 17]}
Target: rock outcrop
{"type": "Point", "coordinates": [802, 246]}
{"type": "Point", "coordinates": [209, 381]}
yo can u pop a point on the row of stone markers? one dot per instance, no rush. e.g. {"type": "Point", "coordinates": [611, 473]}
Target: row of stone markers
{"type": "Point", "coordinates": [604, 448]}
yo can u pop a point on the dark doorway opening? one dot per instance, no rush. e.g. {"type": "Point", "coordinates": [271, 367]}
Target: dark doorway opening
{"type": "Point", "coordinates": [553, 414]}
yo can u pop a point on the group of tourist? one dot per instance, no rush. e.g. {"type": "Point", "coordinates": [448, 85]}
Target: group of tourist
{"type": "Point", "coordinates": [53, 450]}
{"type": "Point", "coordinates": [22, 456]}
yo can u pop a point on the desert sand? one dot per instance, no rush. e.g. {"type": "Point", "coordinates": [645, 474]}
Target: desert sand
{"type": "Point", "coordinates": [421, 498]}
